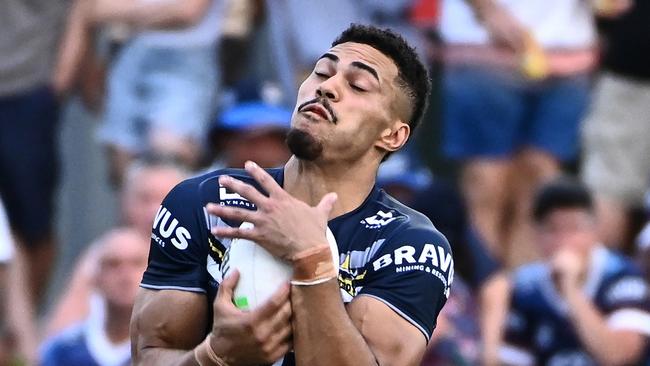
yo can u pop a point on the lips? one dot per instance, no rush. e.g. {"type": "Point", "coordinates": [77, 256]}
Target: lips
{"type": "Point", "coordinates": [317, 109]}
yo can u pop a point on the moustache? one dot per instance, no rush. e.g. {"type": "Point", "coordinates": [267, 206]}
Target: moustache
{"type": "Point", "coordinates": [322, 101]}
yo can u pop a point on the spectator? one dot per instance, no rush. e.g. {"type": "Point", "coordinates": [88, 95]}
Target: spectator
{"type": "Point", "coordinates": [29, 37]}
{"type": "Point", "coordinates": [147, 182]}
{"type": "Point", "coordinates": [161, 86]}
{"type": "Point", "coordinates": [616, 164]}
{"type": "Point", "coordinates": [516, 85]}
{"type": "Point", "coordinates": [252, 129]}
{"type": "Point", "coordinates": [583, 304]}
{"type": "Point", "coordinates": [103, 337]}
{"type": "Point", "coordinates": [481, 275]}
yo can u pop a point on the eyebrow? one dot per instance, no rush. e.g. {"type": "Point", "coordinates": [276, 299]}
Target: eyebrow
{"type": "Point", "coordinates": [356, 64]}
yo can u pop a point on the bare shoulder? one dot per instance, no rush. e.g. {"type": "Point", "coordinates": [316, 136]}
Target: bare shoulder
{"type": "Point", "coordinates": [393, 340]}
{"type": "Point", "coordinates": [167, 319]}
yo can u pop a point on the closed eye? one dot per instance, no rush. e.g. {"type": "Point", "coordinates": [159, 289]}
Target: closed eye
{"type": "Point", "coordinates": [321, 75]}
{"type": "Point", "coordinates": [357, 88]}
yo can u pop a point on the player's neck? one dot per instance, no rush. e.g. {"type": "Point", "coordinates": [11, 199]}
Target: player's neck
{"type": "Point", "coordinates": [310, 181]}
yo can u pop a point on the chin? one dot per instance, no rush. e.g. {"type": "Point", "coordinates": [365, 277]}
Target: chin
{"type": "Point", "coordinates": [303, 144]}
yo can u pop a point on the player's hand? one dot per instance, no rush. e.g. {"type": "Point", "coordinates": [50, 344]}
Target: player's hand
{"type": "Point", "coordinates": [257, 337]}
{"type": "Point", "coordinates": [568, 267]}
{"type": "Point", "coordinates": [504, 29]}
{"type": "Point", "coordinates": [283, 224]}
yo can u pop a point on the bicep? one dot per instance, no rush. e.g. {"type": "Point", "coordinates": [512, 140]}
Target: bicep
{"type": "Point", "coordinates": [392, 339]}
{"type": "Point", "coordinates": [166, 319]}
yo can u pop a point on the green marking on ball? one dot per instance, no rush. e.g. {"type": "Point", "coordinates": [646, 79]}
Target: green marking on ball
{"type": "Point", "coordinates": [241, 302]}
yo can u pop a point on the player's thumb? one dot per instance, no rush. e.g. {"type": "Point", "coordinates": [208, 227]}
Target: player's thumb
{"type": "Point", "coordinates": [227, 286]}
{"type": "Point", "coordinates": [327, 203]}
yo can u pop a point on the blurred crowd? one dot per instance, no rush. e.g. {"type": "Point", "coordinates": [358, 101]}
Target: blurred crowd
{"type": "Point", "coordinates": [533, 158]}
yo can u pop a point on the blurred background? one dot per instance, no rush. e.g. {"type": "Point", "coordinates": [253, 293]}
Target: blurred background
{"type": "Point", "coordinates": [106, 104]}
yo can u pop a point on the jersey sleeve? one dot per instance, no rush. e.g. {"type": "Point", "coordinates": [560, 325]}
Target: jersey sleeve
{"type": "Point", "coordinates": [412, 273]}
{"type": "Point", "coordinates": [179, 250]}
{"type": "Point", "coordinates": [627, 304]}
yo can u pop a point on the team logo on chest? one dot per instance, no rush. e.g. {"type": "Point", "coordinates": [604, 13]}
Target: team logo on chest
{"type": "Point", "coordinates": [350, 278]}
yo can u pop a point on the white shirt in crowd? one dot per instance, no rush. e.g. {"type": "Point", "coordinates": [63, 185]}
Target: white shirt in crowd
{"type": "Point", "coordinates": [561, 24]}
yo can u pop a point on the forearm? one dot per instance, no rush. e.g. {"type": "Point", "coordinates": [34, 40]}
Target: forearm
{"type": "Point", "coordinates": [74, 44]}
{"type": "Point", "coordinates": [149, 14]}
{"type": "Point", "coordinates": [323, 332]}
{"type": "Point", "coordinates": [607, 346]}
{"type": "Point", "coordinates": [494, 297]}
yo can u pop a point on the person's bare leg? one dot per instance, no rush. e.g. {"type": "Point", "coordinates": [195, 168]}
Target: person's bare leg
{"type": "Point", "coordinates": [531, 169]}
{"type": "Point", "coordinates": [484, 188]}
{"type": "Point", "coordinates": [39, 262]}
{"type": "Point", "coordinates": [20, 307]}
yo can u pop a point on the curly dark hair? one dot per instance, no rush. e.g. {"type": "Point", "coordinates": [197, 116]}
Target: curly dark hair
{"type": "Point", "coordinates": [412, 76]}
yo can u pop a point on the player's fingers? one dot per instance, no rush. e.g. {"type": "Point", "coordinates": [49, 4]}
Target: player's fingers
{"type": "Point", "coordinates": [281, 318]}
{"type": "Point", "coordinates": [232, 213]}
{"type": "Point", "coordinates": [234, 232]}
{"type": "Point", "coordinates": [227, 286]}
{"type": "Point", "coordinates": [263, 178]}
{"type": "Point", "coordinates": [243, 189]}
{"type": "Point", "coordinates": [327, 203]}
{"type": "Point", "coordinates": [280, 351]}
{"type": "Point", "coordinates": [274, 304]}
{"type": "Point", "coordinates": [279, 339]}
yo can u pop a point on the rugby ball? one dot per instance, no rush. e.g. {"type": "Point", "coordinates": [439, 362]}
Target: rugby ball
{"type": "Point", "coordinates": [260, 273]}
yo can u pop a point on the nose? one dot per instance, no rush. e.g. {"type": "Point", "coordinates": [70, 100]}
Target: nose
{"type": "Point", "coordinates": [328, 89]}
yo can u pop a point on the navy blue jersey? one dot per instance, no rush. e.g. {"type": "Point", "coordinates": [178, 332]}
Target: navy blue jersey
{"type": "Point", "coordinates": [539, 329]}
{"type": "Point", "coordinates": [387, 250]}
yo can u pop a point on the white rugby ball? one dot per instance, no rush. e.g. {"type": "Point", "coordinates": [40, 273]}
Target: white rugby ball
{"type": "Point", "coordinates": [260, 273]}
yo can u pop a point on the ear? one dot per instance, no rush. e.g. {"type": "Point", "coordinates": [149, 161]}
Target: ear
{"type": "Point", "coordinates": [393, 138]}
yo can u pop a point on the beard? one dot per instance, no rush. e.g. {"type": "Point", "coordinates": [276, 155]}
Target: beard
{"type": "Point", "coordinates": [303, 145]}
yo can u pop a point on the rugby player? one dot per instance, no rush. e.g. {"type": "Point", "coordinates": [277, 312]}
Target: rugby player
{"type": "Point", "coordinates": [361, 102]}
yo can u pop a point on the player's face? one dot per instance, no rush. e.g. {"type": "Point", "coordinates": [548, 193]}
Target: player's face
{"type": "Point", "coordinates": [568, 228]}
{"type": "Point", "coordinates": [345, 104]}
